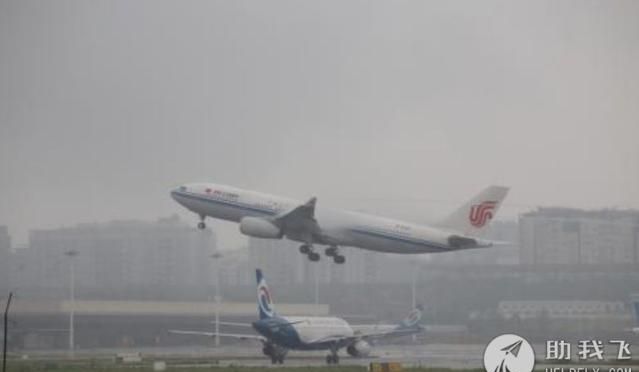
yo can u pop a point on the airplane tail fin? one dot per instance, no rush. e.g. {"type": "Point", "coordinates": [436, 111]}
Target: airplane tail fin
{"type": "Point", "coordinates": [264, 301]}
{"type": "Point", "coordinates": [412, 319]}
{"type": "Point", "coordinates": [473, 217]}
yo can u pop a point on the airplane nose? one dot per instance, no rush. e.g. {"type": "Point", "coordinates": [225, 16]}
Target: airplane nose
{"type": "Point", "coordinates": [175, 193]}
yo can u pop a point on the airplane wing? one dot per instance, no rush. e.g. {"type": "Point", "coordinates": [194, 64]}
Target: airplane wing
{"type": "Point", "coordinates": [249, 325]}
{"type": "Point", "coordinates": [333, 339]}
{"type": "Point", "coordinates": [377, 334]}
{"type": "Point", "coordinates": [235, 324]}
{"type": "Point", "coordinates": [238, 336]}
{"type": "Point", "coordinates": [367, 327]}
{"type": "Point", "coordinates": [500, 243]}
{"type": "Point", "coordinates": [304, 211]}
{"type": "Point", "coordinates": [299, 222]}
{"type": "Point", "coordinates": [367, 336]}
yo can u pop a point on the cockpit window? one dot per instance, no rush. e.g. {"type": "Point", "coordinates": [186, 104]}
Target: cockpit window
{"type": "Point", "coordinates": [182, 188]}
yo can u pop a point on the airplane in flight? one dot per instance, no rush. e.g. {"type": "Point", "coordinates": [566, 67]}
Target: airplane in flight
{"type": "Point", "coordinates": [279, 334]}
{"type": "Point", "coordinates": [272, 217]}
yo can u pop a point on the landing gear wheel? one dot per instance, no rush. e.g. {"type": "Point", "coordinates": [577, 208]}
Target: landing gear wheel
{"type": "Point", "coordinates": [339, 259]}
{"type": "Point", "coordinates": [305, 249]}
{"type": "Point", "coordinates": [273, 359]}
{"type": "Point", "coordinates": [330, 251]}
{"type": "Point", "coordinates": [332, 359]}
{"type": "Point", "coordinates": [201, 225]}
{"type": "Point", "coordinates": [280, 359]}
{"type": "Point", "coordinates": [313, 256]}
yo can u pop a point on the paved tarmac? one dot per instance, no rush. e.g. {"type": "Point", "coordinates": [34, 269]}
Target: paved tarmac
{"type": "Point", "coordinates": [429, 355]}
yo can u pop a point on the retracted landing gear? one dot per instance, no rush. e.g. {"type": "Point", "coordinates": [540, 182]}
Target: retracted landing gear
{"type": "Point", "coordinates": [332, 251]}
{"type": "Point", "coordinates": [307, 249]}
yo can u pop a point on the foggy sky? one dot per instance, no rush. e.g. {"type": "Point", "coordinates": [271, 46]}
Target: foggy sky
{"type": "Point", "coordinates": [398, 108]}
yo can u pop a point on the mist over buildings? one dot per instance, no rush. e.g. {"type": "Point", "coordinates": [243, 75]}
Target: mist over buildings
{"type": "Point", "coordinates": [401, 109]}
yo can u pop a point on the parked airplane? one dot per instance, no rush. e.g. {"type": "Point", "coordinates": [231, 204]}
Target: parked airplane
{"type": "Point", "coordinates": [411, 321]}
{"type": "Point", "coordinates": [273, 217]}
{"type": "Point", "coordinates": [279, 334]}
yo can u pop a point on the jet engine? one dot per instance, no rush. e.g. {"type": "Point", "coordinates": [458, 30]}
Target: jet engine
{"type": "Point", "coordinates": [260, 228]}
{"type": "Point", "coordinates": [359, 349]}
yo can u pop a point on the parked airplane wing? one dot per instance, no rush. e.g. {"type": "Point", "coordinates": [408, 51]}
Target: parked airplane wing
{"type": "Point", "coordinates": [235, 324]}
{"type": "Point", "coordinates": [213, 334]}
{"type": "Point", "coordinates": [390, 333]}
{"type": "Point", "coordinates": [366, 336]}
{"type": "Point", "coordinates": [335, 339]}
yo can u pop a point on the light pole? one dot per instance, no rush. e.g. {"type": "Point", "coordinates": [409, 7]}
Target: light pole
{"type": "Point", "coordinates": [216, 256]}
{"type": "Point", "coordinates": [412, 287]}
{"type": "Point", "coordinates": [412, 290]}
{"type": "Point", "coordinates": [6, 327]}
{"type": "Point", "coordinates": [316, 293]}
{"type": "Point", "coordinates": [71, 254]}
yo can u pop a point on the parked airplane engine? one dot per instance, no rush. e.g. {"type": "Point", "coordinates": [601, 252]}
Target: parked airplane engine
{"type": "Point", "coordinates": [359, 349]}
{"type": "Point", "coordinates": [260, 228]}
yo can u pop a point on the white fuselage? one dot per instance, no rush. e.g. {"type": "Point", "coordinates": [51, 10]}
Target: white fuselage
{"type": "Point", "coordinates": [305, 332]}
{"type": "Point", "coordinates": [312, 330]}
{"type": "Point", "coordinates": [340, 228]}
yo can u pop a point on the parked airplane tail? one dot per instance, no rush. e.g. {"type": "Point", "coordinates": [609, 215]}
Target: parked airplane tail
{"type": "Point", "coordinates": [264, 300]}
{"type": "Point", "coordinates": [474, 216]}
{"type": "Point", "coordinates": [412, 319]}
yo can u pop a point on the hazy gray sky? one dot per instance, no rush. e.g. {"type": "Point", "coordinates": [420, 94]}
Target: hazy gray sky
{"type": "Point", "coordinates": [399, 107]}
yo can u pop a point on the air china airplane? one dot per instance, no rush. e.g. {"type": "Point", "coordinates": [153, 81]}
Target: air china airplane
{"type": "Point", "coordinates": [279, 334]}
{"type": "Point", "coordinates": [273, 217]}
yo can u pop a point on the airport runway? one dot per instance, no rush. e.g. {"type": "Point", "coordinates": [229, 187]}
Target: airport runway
{"type": "Point", "coordinates": [452, 356]}
{"type": "Point", "coordinates": [456, 356]}
{"type": "Point", "coordinates": [435, 355]}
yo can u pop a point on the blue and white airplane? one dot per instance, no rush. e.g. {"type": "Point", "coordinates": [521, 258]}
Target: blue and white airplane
{"type": "Point", "coordinates": [273, 217]}
{"type": "Point", "coordinates": [279, 334]}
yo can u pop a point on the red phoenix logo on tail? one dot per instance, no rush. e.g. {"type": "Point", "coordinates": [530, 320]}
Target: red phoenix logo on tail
{"type": "Point", "coordinates": [481, 213]}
